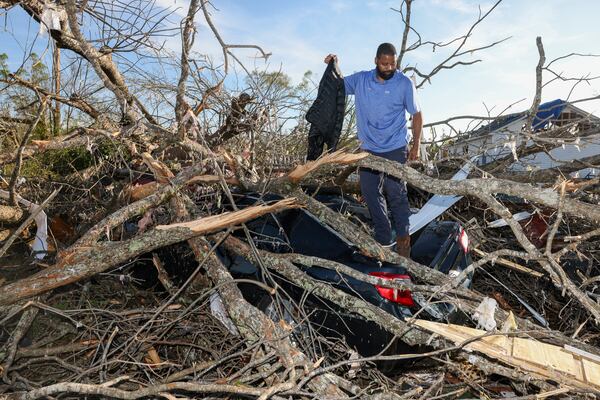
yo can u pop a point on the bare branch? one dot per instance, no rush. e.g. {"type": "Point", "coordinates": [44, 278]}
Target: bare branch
{"type": "Point", "coordinates": [74, 101]}
{"type": "Point", "coordinates": [406, 20]}
{"type": "Point", "coordinates": [187, 40]}
{"type": "Point", "coordinates": [538, 85]}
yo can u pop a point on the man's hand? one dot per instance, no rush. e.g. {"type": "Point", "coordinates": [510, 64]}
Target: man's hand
{"type": "Point", "coordinates": [413, 153]}
{"type": "Point", "coordinates": [330, 57]}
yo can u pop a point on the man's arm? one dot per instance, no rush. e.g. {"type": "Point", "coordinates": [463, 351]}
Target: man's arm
{"type": "Point", "coordinates": [417, 128]}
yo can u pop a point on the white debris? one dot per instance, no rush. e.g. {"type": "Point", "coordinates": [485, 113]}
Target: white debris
{"type": "Point", "coordinates": [438, 204]}
{"type": "Point", "coordinates": [50, 18]}
{"type": "Point", "coordinates": [40, 243]}
{"type": "Point", "coordinates": [512, 145]}
{"type": "Point", "coordinates": [517, 217]}
{"type": "Point", "coordinates": [217, 308]}
{"type": "Point", "coordinates": [484, 314]}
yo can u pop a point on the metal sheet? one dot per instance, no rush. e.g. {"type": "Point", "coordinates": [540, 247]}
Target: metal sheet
{"type": "Point", "coordinates": [438, 204]}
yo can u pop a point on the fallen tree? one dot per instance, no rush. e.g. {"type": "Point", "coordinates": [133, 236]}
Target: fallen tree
{"type": "Point", "coordinates": [153, 199]}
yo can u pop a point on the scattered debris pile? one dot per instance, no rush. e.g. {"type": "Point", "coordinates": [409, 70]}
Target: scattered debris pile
{"type": "Point", "coordinates": [129, 270]}
{"type": "Point", "coordinates": [131, 294]}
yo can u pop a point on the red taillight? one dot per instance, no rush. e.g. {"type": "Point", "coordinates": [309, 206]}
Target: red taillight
{"type": "Point", "coordinates": [463, 239]}
{"type": "Point", "coordinates": [402, 297]}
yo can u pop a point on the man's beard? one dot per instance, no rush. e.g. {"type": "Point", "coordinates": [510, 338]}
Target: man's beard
{"type": "Point", "coordinates": [385, 75]}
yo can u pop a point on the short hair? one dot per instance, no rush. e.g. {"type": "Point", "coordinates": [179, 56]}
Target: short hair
{"type": "Point", "coordinates": [386, 48]}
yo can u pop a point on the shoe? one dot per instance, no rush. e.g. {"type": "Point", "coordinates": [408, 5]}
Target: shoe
{"type": "Point", "coordinates": [403, 246]}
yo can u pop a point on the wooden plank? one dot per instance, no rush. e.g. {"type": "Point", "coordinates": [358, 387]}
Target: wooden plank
{"type": "Point", "coordinates": [580, 375]}
{"type": "Point", "coordinates": [499, 341]}
{"type": "Point", "coordinates": [440, 329]}
{"type": "Point", "coordinates": [541, 360]}
{"type": "Point", "coordinates": [459, 334]}
{"type": "Point", "coordinates": [591, 371]}
{"type": "Point", "coordinates": [545, 355]}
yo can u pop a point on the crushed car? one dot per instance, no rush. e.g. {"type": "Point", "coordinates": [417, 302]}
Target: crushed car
{"type": "Point", "coordinates": [441, 245]}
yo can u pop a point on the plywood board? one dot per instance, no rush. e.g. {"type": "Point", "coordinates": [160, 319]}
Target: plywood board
{"type": "Point", "coordinates": [459, 334]}
{"type": "Point", "coordinates": [592, 371]}
{"type": "Point", "coordinates": [541, 360]}
{"type": "Point", "coordinates": [499, 342]}
{"type": "Point", "coordinates": [545, 355]}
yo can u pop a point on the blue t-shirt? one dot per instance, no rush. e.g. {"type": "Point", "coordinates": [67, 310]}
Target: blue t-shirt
{"type": "Point", "coordinates": [381, 109]}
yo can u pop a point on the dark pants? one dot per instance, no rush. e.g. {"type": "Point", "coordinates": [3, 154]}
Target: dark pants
{"type": "Point", "coordinates": [376, 188]}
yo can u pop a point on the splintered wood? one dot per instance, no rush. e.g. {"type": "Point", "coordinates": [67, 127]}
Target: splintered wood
{"type": "Point", "coordinates": [232, 218]}
{"type": "Point", "coordinates": [340, 157]}
{"type": "Point", "coordinates": [568, 365]}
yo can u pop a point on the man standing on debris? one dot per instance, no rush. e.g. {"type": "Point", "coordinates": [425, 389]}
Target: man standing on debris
{"type": "Point", "coordinates": [382, 98]}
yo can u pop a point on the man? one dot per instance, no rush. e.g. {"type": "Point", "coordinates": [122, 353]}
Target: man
{"type": "Point", "coordinates": [382, 98]}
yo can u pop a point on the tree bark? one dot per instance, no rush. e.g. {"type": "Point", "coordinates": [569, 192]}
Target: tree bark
{"type": "Point", "coordinates": [470, 187]}
{"type": "Point", "coordinates": [78, 263]}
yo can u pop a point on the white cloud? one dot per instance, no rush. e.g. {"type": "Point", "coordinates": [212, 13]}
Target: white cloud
{"type": "Point", "coordinates": [461, 6]}
{"type": "Point", "coordinates": [300, 39]}
{"type": "Point", "coordinates": [507, 73]}
{"type": "Point", "coordinates": [180, 7]}
{"type": "Point", "coordinates": [339, 5]}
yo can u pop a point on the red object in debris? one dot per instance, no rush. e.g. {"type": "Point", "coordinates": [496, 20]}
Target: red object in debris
{"type": "Point", "coordinates": [463, 239]}
{"type": "Point", "coordinates": [402, 297]}
{"type": "Point", "coordinates": [61, 230]}
{"type": "Point", "coordinates": [536, 230]}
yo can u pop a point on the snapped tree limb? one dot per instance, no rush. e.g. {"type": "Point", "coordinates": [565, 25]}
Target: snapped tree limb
{"type": "Point", "coordinates": [80, 262]}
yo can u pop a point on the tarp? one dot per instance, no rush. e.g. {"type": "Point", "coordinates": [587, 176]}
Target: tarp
{"type": "Point", "coordinates": [547, 112]}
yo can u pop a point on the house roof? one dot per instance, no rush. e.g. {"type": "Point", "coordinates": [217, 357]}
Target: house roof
{"type": "Point", "coordinates": [496, 124]}
{"type": "Point", "coordinates": [547, 112]}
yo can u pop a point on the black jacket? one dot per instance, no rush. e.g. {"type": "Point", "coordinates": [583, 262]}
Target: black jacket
{"type": "Point", "coordinates": [326, 114]}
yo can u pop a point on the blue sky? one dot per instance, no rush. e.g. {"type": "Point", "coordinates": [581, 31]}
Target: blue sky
{"type": "Point", "coordinates": [300, 33]}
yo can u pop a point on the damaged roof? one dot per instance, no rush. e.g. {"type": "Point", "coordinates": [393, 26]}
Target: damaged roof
{"type": "Point", "coordinates": [547, 112]}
